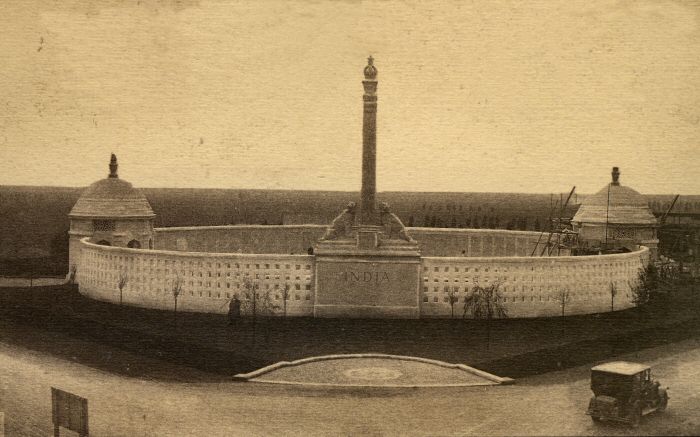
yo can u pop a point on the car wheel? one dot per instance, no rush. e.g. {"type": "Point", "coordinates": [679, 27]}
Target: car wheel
{"type": "Point", "coordinates": [636, 416]}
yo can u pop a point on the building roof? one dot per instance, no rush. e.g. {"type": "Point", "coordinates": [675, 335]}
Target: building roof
{"type": "Point", "coordinates": [615, 204]}
{"type": "Point", "coordinates": [621, 368]}
{"type": "Point", "coordinates": [112, 198]}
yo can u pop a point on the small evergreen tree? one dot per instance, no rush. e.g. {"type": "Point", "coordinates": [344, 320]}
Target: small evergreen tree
{"type": "Point", "coordinates": [647, 285]}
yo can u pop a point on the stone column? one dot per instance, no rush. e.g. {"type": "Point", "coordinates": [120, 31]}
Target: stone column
{"type": "Point", "coordinates": [368, 203]}
{"type": "Point", "coordinates": [375, 275]}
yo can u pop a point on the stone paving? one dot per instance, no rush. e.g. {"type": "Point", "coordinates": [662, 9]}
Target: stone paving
{"type": "Point", "coordinates": [372, 370]}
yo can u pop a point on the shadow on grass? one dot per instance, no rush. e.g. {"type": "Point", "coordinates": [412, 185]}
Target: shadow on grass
{"type": "Point", "coordinates": [195, 346]}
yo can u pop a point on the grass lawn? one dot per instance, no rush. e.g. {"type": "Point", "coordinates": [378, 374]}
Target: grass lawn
{"type": "Point", "coordinates": [195, 346]}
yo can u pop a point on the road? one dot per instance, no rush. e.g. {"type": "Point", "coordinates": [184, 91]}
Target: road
{"type": "Point", "coordinates": [549, 404]}
{"type": "Point", "coordinates": [26, 282]}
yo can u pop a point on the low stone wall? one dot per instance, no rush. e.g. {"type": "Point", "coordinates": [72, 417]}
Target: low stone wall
{"type": "Point", "coordinates": [297, 239]}
{"type": "Point", "coordinates": [533, 287]}
{"type": "Point", "coordinates": [208, 280]}
{"type": "Point", "coordinates": [252, 239]}
{"type": "Point", "coordinates": [480, 242]}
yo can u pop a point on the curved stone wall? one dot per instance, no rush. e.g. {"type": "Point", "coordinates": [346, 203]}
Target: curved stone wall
{"type": "Point", "coordinates": [534, 287]}
{"type": "Point", "coordinates": [273, 239]}
{"type": "Point", "coordinates": [209, 280]}
{"type": "Point", "coordinates": [529, 286]}
{"type": "Point", "coordinates": [297, 239]}
{"type": "Point", "coordinates": [478, 242]}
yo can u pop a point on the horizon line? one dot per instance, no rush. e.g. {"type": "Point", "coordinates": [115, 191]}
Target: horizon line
{"type": "Point", "coordinates": [335, 191]}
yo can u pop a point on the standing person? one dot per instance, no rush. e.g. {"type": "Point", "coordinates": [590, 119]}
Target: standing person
{"type": "Point", "coordinates": [234, 311]}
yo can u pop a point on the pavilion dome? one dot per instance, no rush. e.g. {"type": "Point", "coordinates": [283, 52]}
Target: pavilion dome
{"type": "Point", "coordinates": [112, 198]}
{"type": "Point", "coordinates": [615, 204]}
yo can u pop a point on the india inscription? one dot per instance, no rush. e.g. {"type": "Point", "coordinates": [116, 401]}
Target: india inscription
{"type": "Point", "coordinates": [365, 276]}
{"type": "Point", "coordinates": [357, 287]}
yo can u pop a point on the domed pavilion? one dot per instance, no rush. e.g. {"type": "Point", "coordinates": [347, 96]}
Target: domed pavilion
{"type": "Point", "coordinates": [616, 217]}
{"type": "Point", "coordinates": [112, 213]}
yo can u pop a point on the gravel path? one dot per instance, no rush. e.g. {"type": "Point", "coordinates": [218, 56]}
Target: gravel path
{"type": "Point", "coordinates": [36, 282]}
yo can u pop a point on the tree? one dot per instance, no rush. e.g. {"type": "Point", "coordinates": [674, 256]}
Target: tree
{"type": "Point", "coordinates": [177, 289]}
{"type": "Point", "coordinates": [665, 274]}
{"type": "Point", "coordinates": [285, 298]}
{"type": "Point", "coordinates": [485, 303]}
{"type": "Point", "coordinates": [647, 285]}
{"type": "Point", "coordinates": [452, 299]}
{"type": "Point", "coordinates": [563, 297]}
{"type": "Point", "coordinates": [250, 297]}
{"type": "Point", "coordinates": [613, 293]}
{"type": "Point", "coordinates": [121, 283]}
{"type": "Point", "coordinates": [256, 302]}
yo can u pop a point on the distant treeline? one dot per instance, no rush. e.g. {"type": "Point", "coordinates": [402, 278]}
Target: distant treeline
{"type": "Point", "coordinates": [34, 220]}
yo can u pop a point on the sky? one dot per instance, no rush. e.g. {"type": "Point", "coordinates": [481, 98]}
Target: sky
{"type": "Point", "coordinates": [481, 96]}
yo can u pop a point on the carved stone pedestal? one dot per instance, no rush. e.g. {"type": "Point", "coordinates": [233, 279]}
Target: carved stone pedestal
{"type": "Point", "coordinates": [362, 279]}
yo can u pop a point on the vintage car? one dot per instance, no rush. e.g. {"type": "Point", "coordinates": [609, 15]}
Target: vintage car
{"type": "Point", "coordinates": [624, 392]}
